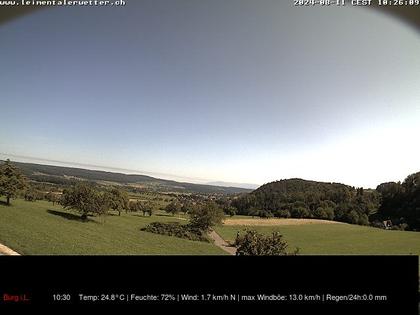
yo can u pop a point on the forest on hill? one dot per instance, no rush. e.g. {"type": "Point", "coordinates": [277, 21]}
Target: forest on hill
{"type": "Point", "coordinates": [299, 198]}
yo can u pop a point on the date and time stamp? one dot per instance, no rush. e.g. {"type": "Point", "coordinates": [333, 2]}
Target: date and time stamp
{"type": "Point", "coordinates": [358, 3]}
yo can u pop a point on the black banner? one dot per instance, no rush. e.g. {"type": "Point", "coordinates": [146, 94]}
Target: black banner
{"type": "Point", "coordinates": [356, 283]}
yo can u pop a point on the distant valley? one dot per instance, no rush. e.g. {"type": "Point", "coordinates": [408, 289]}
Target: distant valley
{"type": "Point", "coordinates": [65, 175]}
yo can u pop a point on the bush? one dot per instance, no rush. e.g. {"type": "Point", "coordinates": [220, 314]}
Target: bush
{"type": "Point", "coordinates": [256, 244]}
{"type": "Point", "coordinates": [175, 229]}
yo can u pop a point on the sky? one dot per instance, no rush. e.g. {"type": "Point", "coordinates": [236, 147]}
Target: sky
{"type": "Point", "coordinates": [237, 91]}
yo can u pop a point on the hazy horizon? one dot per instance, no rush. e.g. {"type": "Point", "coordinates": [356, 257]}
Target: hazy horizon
{"type": "Point", "coordinates": [215, 91]}
{"type": "Point", "coordinates": [213, 182]}
{"type": "Point", "coordinates": [36, 160]}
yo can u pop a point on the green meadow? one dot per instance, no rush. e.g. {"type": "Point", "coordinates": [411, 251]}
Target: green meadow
{"type": "Point", "coordinates": [331, 239]}
{"type": "Point", "coordinates": [36, 228]}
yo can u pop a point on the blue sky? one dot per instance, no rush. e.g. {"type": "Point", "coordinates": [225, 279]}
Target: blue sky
{"type": "Point", "coordinates": [237, 91]}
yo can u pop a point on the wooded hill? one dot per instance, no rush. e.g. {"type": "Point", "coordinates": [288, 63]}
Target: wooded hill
{"type": "Point", "coordinates": [68, 175]}
{"type": "Point", "coordinates": [298, 198]}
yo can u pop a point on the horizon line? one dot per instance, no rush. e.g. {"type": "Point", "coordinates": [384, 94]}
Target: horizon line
{"type": "Point", "coordinates": [157, 175]}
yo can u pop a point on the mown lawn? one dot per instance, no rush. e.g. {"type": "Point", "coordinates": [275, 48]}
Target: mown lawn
{"type": "Point", "coordinates": [35, 228]}
{"type": "Point", "coordinates": [338, 238]}
{"type": "Point", "coordinates": [40, 228]}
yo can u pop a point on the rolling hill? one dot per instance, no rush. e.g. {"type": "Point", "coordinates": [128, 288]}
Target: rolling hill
{"type": "Point", "coordinates": [65, 175]}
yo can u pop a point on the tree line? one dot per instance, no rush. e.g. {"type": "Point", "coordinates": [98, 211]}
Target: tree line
{"type": "Point", "coordinates": [401, 202]}
{"type": "Point", "coordinates": [298, 198]}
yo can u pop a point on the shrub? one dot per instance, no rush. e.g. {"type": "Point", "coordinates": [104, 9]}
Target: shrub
{"type": "Point", "coordinates": [256, 244]}
{"type": "Point", "coordinates": [175, 229]}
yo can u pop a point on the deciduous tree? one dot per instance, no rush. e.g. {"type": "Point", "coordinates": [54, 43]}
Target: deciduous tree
{"type": "Point", "coordinates": [84, 198]}
{"type": "Point", "coordinates": [11, 181]}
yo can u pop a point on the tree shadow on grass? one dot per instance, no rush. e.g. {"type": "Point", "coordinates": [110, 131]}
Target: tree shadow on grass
{"type": "Point", "coordinates": [3, 203]}
{"type": "Point", "coordinates": [69, 216]}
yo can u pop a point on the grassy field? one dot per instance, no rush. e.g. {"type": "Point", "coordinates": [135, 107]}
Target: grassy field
{"type": "Point", "coordinates": [39, 228]}
{"type": "Point", "coordinates": [338, 238]}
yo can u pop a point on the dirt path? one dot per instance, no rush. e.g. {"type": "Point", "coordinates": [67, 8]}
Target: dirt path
{"type": "Point", "coordinates": [221, 243]}
{"type": "Point", "coordinates": [4, 250]}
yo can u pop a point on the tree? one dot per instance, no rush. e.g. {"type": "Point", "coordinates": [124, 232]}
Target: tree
{"type": "Point", "coordinates": [307, 199]}
{"type": "Point", "coordinates": [256, 244]}
{"type": "Point", "coordinates": [135, 206]}
{"type": "Point", "coordinates": [173, 208]}
{"type": "Point", "coordinates": [147, 208]}
{"type": "Point", "coordinates": [11, 181]}
{"type": "Point", "coordinates": [84, 198]}
{"type": "Point", "coordinates": [31, 194]}
{"type": "Point", "coordinates": [300, 212]}
{"type": "Point", "coordinates": [324, 213]}
{"type": "Point", "coordinates": [187, 206]}
{"type": "Point", "coordinates": [206, 216]}
{"type": "Point", "coordinates": [266, 214]}
{"type": "Point", "coordinates": [401, 202]}
{"type": "Point", "coordinates": [118, 200]}
{"type": "Point", "coordinates": [352, 217]}
{"type": "Point", "coordinates": [230, 210]}
{"type": "Point", "coordinates": [52, 197]}
{"type": "Point", "coordinates": [283, 213]}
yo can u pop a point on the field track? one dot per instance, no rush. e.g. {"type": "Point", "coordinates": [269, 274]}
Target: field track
{"type": "Point", "coordinates": [221, 243]}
